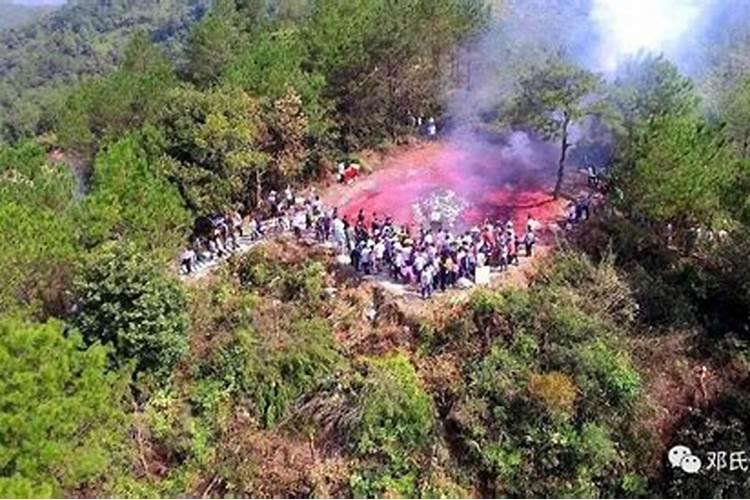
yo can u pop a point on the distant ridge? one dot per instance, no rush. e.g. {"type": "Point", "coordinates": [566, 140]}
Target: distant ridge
{"type": "Point", "coordinates": [77, 40]}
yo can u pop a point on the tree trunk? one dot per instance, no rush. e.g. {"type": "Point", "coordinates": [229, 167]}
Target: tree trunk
{"type": "Point", "coordinates": [564, 145]}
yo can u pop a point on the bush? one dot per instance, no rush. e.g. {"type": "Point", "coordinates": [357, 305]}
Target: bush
{"type": "Point", "coordinates": [554, 390]}
{"type": "Point", "coordinates": [273, 369]}
{"type": "Point", "coordinates": [128, 302]}
{"type": "Point", "coordinates": [396, 415]}
{"type": "Point", "coordinates": [608, 377]}
{"type": "Point", "coordinates": [392, 425]}
{"type": "Point", "coordinates": [61, 413]}
{"type": "Point", "coordinates": [599, 287]}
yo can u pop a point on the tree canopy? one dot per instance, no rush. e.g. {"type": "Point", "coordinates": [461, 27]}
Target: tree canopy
{"type": "Point", "coordinates": [551, 97]}
{"type": "Point", "coordinates": [62, 410]}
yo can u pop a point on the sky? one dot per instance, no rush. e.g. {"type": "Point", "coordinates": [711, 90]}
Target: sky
{"type": "Point", "coordinates": [39, 2]}
{"type": "Point", "coordinates": [628, 26]}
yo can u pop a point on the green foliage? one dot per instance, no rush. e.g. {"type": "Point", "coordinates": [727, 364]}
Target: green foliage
{"type": "Point", "coordinates": [648, 87]}
{"type": "Point", "coordinates": [123, 101]}
{"type": "Point", "coordinates": [394, 423]}
{"type": "Point", "coordinates": [215, 139]}
{"type": "Point", "coordinates": [128, 302]}
{"type": "Point", "coordinates": [382, 60]}
{"type": "Point", "coordinates": [300, 283]}
{"type": "Point", "coordinates": [61, 411]}
{"type": "Point", "coordinates": [79, 40]}
{"type": "Point", "coordinates": [275, 64]}
{"type": "Point", "coordinates": [680, 172]}
{"type": "Point", "coordinates": [212, 44]}
{"type": "Point", "coordinates": [551, 97]}
{"type": "Point", "coordinates": [606, 377]}
{"type": "Point", "coordinates": [273, 369]}
{"type": "Point", "coordinates": [131, 200]}
{"type": "Point", "coordinates": [600, 287]}
{"type": "Point", "coordinates": [37, 221]}
{"type": "Point", "coordinates": [735, 112]}
{"type": "Point", "coordinates": [547, 408]}
{"type": "Point", "coordinates": [396, 414]}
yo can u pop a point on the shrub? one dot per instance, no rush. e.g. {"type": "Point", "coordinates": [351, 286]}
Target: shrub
{"type": "Point", "coordinates": [396, 415]}
{"type": "Point", "coordinates": [273, 369]}
{"type": "Point", "coordinates": [610, 377]}
{"type": "Point", "coordinates": [129, 302]}
{"type": "Point", "coordinates": [599, 287]}
{"type": "Point", "coordinates": [555, 390]}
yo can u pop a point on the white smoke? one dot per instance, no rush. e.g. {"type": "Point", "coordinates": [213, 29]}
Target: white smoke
{"type": "Point", "coordinates": [627, 27]}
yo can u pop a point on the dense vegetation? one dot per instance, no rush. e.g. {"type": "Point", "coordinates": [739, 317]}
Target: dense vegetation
{"type": "Point", "coordinates": [118, 379]}
{"type": "Point", "coordinates": [14, 14]}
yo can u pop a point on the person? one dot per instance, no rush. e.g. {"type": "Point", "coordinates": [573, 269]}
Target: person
{"type": "Point", "coordinates": [341, 172]}
{"type": "Point", "coordinates": [529, 240]}
{"type": "Point", "coordinates": [300, 223]}
{"type": "Point", "coordinates": [532, 224]}
{"type": "Point", "coordinates": [236, 219]}
{"type": "Point", "coordinates": [253, 229]}
{"type": "Point", "coordinates": [593, 176]}
{"type": "Point", "coordinates": [339, 234]}
{"type": "Point", "coordinates": [365, 258]}
{"type": "Point", "coordinates": [512, 250]}
{"type": "Point", "coordinates": [289, 195]}
{"type": "Point", "coordinates": [273, 202]}
{"type": "Point", "coordinates": [425, 281]}
{"type": "Point", "coordinates": [188, 260]}
{"type": "Point", "coordinates": [582, 209]}
{"type": "Point", "coordinates": [431, 129]}
{"type": "Point", "coordinates": [435, 219]}
{"type": "Point", "coordinates": [379, 253]}
{"type": "Point", "coordinates": [354, 256]}
{"type": "Point", "coordinates": [419, 262]}
{"type": "Point", "coordinates": [451, 271]}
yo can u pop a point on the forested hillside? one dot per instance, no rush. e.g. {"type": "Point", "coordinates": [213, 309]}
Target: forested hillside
{"type": "Point", "coordinates": [14, 13]}
{"type": "Point", "coordinates": [82, 39]}
{"type": "Point", "coordinates": [285, 373]}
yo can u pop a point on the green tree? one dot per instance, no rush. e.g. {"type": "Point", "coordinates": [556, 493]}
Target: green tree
{"type": "Point", "coordinates": [62, 416]}
{"type": "Point", "coordinates": [128, 98]}
{"type": "Point", "coordinates": [212, 44]}
{"type": "Point", "coordinates": [551, 98]}
{"type": "Point", "coordinates": [274, 65]}
{"type": "Point", "coordinates": [126, 301]}
{"type": "Point", "coordinates": [681, 171]}
{"type": "Point", "coordinates": [216, 140]}
{"type": "Point", "coordinates": [735, 112]}
{"type": "Point", "coordinates": [132, 200]}
{"type": "Point", "coordinates": [383, 61]}
{"type": "Point", "coordinates": [39, 241]}
{"type": "Point", "coordinates": [649, 86]}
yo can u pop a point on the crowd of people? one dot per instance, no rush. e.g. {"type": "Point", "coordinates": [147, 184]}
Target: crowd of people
{"type": "Point", "coordinates": [431, 258]}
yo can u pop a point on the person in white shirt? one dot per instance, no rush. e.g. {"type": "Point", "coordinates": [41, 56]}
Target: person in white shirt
{"type": "Point", "coordinates": [379, 251]}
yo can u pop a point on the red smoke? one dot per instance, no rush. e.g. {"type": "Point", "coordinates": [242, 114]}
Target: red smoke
{"type": "Point", "coordinates": [499, 180]}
